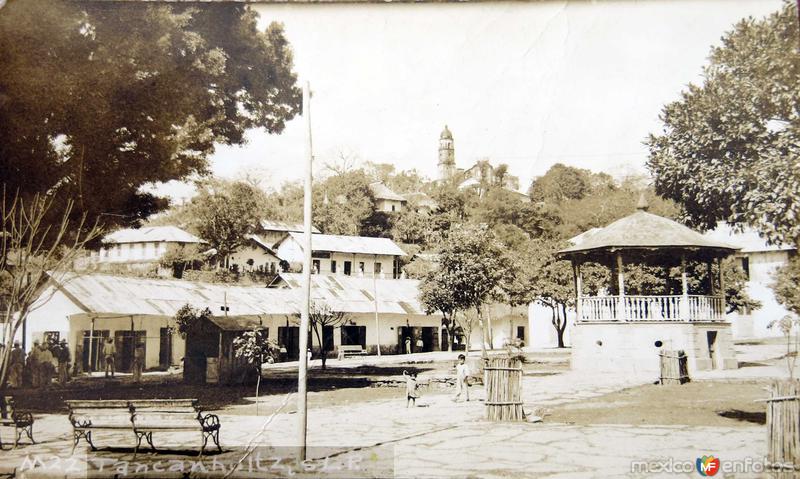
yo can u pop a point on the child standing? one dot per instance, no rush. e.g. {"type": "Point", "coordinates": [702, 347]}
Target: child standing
{"type": "Point", "coordinates": [462, 373]}
{"type": "Point", "coordinates": [411, 388]}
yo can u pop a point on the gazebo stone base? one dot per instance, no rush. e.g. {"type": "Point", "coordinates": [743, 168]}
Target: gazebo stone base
{"type": "Point", "coordinates": [633, 347]}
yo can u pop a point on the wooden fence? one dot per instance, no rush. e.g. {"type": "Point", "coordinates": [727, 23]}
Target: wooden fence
{"type": "Point", "coordinates": [783, 425]}
{"type": "Point", "coordinates": [504, 389]}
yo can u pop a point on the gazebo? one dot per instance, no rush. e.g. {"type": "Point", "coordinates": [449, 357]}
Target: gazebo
{"type": "Point", "coordinates": [623, 332]}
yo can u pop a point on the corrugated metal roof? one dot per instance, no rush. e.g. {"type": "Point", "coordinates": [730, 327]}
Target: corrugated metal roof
{"type": "Point", "coordinates": [162, 297]}
{"type": "Point", "coordinates": [355, 294]}
{"type": "Point", "coordinates": [270, 225]}
{"type": "Point", "coordinates": [645, 230]}
{"type": "Point", "coordinates": [383, 192]}
{"type": "Point", "coordinates": [170, 234]}
{"type": "Point", "coordinates": [107, 294]}
{"type": "Point", "coordinates": [350, 244]}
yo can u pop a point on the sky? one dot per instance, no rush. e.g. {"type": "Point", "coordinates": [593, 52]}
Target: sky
{"type": "Point", "coordinates": [527, 84]}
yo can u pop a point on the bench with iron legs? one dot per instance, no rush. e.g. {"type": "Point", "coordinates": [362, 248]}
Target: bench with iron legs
{"type": "Point", "coordinates": [22, 421]}
{"type": "Point", "coordinates": [347, 350]}
{"type": "Point", "coordinates": [143, 418]}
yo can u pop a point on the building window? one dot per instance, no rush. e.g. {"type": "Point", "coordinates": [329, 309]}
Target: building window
{"type": "Point", "coordinates": [348, 268]}
{"type": "Point", "coordinates": [378, 268]}
{"type": "Point", "coordinates": [392, 207]}
{"type": "Point", "coordinates": [361, 267]}
{"type": "Point", "coordinates": [316, 266]}
{"type": "Point", "coordinates": [333, 266]}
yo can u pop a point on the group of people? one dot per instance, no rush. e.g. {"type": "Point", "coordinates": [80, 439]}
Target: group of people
{"type": "Point", "coordinates": [462, 382]}
{"type": "Point", "coordinates": [40, 366]}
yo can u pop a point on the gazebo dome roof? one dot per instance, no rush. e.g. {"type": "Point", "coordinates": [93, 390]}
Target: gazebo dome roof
{"type": "Point", "coordinates": [643, 230]}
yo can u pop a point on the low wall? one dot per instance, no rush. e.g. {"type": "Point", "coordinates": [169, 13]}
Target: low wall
{"type": "Point", "coordinates": [633, 347]}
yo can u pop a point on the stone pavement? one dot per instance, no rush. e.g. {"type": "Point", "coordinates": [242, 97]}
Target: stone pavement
{"type": "Point", "coordinates": [438, 439]}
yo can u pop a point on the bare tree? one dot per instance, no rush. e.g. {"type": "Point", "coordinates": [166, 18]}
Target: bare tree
{"type": "Point", "coordinates": [344, 162]}
{"type": "Point", "coordinates": [32, 250]}
{"type": "Point", "coordinates": [321, 315]}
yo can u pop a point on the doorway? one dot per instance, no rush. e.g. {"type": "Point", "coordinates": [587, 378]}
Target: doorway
{"type": "Point", "coordinates": [165, 348]}
{"type": "Point", "coordinates": [711, 337]}
{"type": "Point", "coordinates": [95, 362]}
{"type": "Point", "coordinates": [126, 342]}
{"type": "Point", "coordinates": [354, 335]}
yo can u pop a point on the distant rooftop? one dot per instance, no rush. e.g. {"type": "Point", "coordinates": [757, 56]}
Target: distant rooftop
{"type": "Point", "coordinates": [270, 225]}
{"type": "Point", "coordinates": [383, 192]}
{"type": "Point", "coordinates": [347, 244]}
{"type": "Point", "coordinates": [748, 240]}
{"type": "Point", "coordinates": [169, 234]}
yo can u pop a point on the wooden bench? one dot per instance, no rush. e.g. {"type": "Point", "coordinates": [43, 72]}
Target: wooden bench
{"type": "Point", "coordinates": [172, 415]}
{"type": "Point", "coordinates": [351, 350]}
{"type": "Point", "coordinates": [22, 421]}
{"type": "Point", "coordinates": [143, 418]}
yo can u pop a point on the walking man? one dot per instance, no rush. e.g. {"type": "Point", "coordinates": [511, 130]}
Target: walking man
{"type": "Point", "coordinates": [34, 365]}
{"type": "Point", "coordinates": [109, 351]}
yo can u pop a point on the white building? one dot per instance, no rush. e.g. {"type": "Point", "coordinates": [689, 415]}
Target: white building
{"type": "Point", "coordinates": [385, 199]}
{"type": "Point", "coordinates": [141, 248]}
{"type": "Point", "coordinates": [258, 255]}
{"type": "Point", "coordinates": [274, 231]}
{"type": "Point", "coordinates": [343, 255]}
{"type": "Point", "coordinates": [759, 261]}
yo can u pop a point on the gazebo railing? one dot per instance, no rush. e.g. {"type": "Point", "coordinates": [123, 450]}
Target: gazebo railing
{"type": "Point", "coordinates": [652, 308]}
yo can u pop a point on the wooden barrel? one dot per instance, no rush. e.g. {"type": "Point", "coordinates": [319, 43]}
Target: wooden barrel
{"type": "Point", "coordinates": [503, 377]}
{"type": "Point", "coordinates": [674, 367]}
{"type": "Point", "coordinates": [783, 425]}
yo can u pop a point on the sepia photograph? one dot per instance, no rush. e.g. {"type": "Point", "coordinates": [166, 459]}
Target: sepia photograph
{"type": "Point", "coordinates": [399, 239]}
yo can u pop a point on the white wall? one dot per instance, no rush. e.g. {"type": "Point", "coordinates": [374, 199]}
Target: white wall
{"type": "Point", "coordinates": [387, 205]}
{"type": "Point", "coordinates": [543, 333]}
{"type": "Point", "coordinates": [261, 259]}
{"type": "Point", "coordinates": [762, 266]}
{"type": "Point", "coordinates": [51, 313]}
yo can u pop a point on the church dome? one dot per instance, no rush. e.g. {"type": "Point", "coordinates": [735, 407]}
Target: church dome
{"type": "Point", "coordinates": [446, 135]}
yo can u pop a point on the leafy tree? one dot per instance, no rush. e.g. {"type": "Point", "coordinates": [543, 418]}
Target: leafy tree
{"type": "Point", "coordinates": [191, 320]}
{"type": "Point", "coordinates": [321, 316]}
{"type": "Point", "coordinates": [438, 295]}
{"type": "Point", "coordinates": [411, 227]}
{"type": "Point", "coordinates": [30, 253]}
{"type": "Point", "coordinates": [224, 214]}
{"type": "Point", "coordinates": [178, 257]}
{"type": "Point", "coordinates": [473, 263]}
{"type": "Point", "coordinates": [551, 282]}
{"type": "Point", "coordinates": [343, 203]}
{"type": "Point", "coordinates": [787, 291]}
{"type": "Point", "coordinates": [730, 148]}
{"type": "Point", "coordinates": [99, 99]}
{"type": "Point", "coordinates": [561, 183]}
{"type": "Point", "coordinates": [256, 348]}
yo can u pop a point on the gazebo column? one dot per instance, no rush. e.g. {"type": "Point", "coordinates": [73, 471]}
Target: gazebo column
{"type": "Point", "coordinates": [576, 272]}
{"type": "Point", "coordinates": [621, 315]}
{"type": "Point", "coordinates": [684, 309]}
{"type": "Point", "coordinates": [723, 306]}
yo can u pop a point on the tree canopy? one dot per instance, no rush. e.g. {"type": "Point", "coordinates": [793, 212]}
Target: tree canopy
{"type": "Point", "coordinates": [99, 99]}
{"type": "Point", "coordinates": [730, 148]}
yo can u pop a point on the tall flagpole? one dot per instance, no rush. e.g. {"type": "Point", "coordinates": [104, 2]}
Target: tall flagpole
{"type": "Point", "coordinates": [302, 406]}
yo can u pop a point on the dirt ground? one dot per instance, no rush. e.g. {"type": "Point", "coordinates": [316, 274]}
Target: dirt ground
{"type": "Point", "coordinates": [701, 403]}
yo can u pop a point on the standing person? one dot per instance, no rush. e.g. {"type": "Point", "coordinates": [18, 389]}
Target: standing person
{"type": "Point", "coordinates": [16, 366]}
{"type": "Point", "coordinates": [408, 345]}
{"type": "Point", "coordinates": [462, 373]}
{"type": "Point", "coordinates": [63, 362]}
{"type": "Point", "coordinates": [109, 351]}
{"type": "Point", "coordinates": [77, 366]}
{"type": "Point", "coordinates": [412, 387]}
{"type": "Point", "coordinates": [420, 345]}
{"type": "Point", "coordinates": [34, 365]}
{"type": "Point", "coordinates": [47, 366]}
{"type": "Point", "coordinates": [138, 363]}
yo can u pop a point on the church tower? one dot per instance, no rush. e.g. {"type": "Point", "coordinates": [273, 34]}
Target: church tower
{"type": "Point", "coordinates": [447, 155]}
